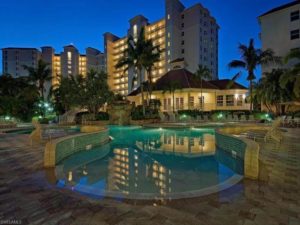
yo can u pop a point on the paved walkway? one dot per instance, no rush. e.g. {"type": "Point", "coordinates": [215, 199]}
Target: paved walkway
{"type": "Point", "coordinates": [26, 197]}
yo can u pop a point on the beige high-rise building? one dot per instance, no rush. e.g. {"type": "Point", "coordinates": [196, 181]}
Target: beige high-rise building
{"type": "Point", "coordinates": [187, 35]}
{"type": "Point", "coordinates": [68, 62]}
{"type": "Point", "coordinates": [280, 30]}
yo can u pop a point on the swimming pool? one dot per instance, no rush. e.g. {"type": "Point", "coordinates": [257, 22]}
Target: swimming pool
{"type": "Point", "coordinates": [151, 164]}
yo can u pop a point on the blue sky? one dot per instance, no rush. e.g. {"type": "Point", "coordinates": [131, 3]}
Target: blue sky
{"type": "Point", "coordinates": [35, 23]}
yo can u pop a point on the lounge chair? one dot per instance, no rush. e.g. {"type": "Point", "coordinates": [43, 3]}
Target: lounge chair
{"type": "Point", "coordinates": [251, 118]}
{"type": "Point", "coordinates": [205, 118]}
{"type": "Point", "coordinates": [235, 118]}
{"type": "Point", "coordinates": [162, 117]}
{"type": "Point", "coordinates": [243, 118]}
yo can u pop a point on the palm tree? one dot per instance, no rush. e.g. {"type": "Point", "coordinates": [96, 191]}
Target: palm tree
{"type": "Point", "coordinates": [150, 57]}
{"type": "Point", "coordinates": [134, 57]}
{"type": "Point", "coordinates": [251, 58]}
{"type": "Point", "coordinates": [171, 87]}
{"type": "Point", "coordinates": [40, 74]}
{"type": "Point", "coordinates": [269, 92]}
{"type": "Point", "coordinates": [202, 73]}
{"type": "Point", "coordinates": [292, 76]}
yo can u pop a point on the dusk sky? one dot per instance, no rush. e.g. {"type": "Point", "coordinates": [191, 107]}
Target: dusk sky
{"type": "Point", "coordinates": [36, 23]}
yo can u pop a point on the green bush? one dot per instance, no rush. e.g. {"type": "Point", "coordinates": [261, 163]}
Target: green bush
{"type": "Point", "coordinates": [102, 116]}
{"type": "Point", "coordinates": [150, 113]}
{"type": "Point", "coordinates": [44, 120]}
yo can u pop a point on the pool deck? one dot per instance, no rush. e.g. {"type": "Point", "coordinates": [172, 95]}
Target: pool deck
{"type": "Point", "coordinates": [27, 197]}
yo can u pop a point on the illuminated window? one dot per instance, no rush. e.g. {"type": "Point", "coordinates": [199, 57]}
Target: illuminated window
{"type": "Point", "coordinates": [135, 30]}
{"type": "Point", "coordinates": [169, 17]}
{"type": "Point", "coordinates": [69, 56]}
{"type": "Point", "coordinates": [220, 100]}
{"type": "Point", "coordinates": [229, 100]}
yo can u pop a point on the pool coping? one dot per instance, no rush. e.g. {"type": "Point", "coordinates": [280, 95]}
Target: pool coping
{"type": "Point", "coordinates": [230, 182]}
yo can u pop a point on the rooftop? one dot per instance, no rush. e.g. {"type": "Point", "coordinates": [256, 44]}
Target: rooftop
{"type": "Point", "coordinates": [186, 79]}
{"type": "Point", "coordinates": [281, 7]}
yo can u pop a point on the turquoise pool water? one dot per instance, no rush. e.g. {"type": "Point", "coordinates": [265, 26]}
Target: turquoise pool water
{"type": "Point", "coordinates": [151, 163]}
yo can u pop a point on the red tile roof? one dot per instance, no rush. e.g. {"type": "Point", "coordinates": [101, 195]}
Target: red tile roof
{"type": "Point", "coordinates": [186, 79]}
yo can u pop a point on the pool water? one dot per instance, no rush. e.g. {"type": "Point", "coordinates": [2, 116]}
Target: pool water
{"type": "Point", "coordinates": [151, 163]}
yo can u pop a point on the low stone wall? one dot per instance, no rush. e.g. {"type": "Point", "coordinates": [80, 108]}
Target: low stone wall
{"type": "Point", "coordinates": [142, 122]}
{"type": "Point", "coordinates": [58, 149]}
{"type": "Point", "coordinates": [240, 147]}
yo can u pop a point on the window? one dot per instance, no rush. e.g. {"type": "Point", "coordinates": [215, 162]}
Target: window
{"type": "Point", "coordinates": [169, 17]}
{"type": "Point", "coordinates": [182, 25]}
{"type": "Point", "coordinates": [294, 34]}
{"type": "Point", "coordinates": [191, 101]}
{"type": "Point", "coordinates": [182, 51]}
{"type": "Point", "coordinates": [201, 102]}
{"type": "Point", "coordinates": [182, 42]}
{"type": "Point", "coordinates": [229, 100]}
{"type": "Point", "coordinates": [295, 15]}
{"type": "Point", "coordinates": [182, 16]}
{"type": "Point", "coordinates": [239, 100]}
{"type": "Point", "coordinates": [182, 33]}
{"type": "Point", "coordinates": [135, 31]}
{"type": "Point", "coordinates": [220, 100]}
{"type": "Point", "coordinates": [179, 103]}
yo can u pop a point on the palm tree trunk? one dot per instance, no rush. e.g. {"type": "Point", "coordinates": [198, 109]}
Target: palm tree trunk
{"type": "Point", "coordinates": [174, 101]}
{"type": "Point", "coordinates": [142, 91]}
{"type": "Point", "coordinates": [201, 101]}
{"type": "Point", "coordinates": [251, 100]}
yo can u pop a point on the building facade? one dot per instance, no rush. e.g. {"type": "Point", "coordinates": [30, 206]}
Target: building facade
{"type": "Point", "coordinates": [68, 62]}
{"type": "Point", "coordinates": [190, 34]}
{"type": "Point", "coordinates": [280, 30]}
{"type": "Point", "coordinates": [190, 94]}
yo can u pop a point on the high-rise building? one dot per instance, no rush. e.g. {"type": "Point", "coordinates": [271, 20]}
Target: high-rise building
{"type": "Point", "coordinates": [280, 30]}
{"type": "Point", "coordinates": [68, 62]}
{"type": "Point", "coordinates": [189, 35]}
{"type": "Point", "coordinates": [14, 60]}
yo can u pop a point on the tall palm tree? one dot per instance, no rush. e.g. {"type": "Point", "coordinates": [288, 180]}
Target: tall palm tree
{"type": "Point", "coordinates": [202, 73]}
{"type": "Point", "coordinates": [150, 57]}
{"type": "Point", "coordinates": [292, 76]}
{"type": "Point", "coordinates": [171, 87]}
{"type": "Point", "coordinates": [251, 58]}
{"type": "Point", "coordinates": [40, 74]}
{"type": "Point", "coordinates": [134, 57]}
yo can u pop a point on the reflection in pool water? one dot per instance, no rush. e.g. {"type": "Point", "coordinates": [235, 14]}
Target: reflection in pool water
{"type": "Point", "coordinates": [151, 163]}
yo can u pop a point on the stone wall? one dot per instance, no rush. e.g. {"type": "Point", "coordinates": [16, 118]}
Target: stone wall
{"type": "Point", "coordinates": [240, 147]}
{"type": "Point", "coordinates": [58, 149]}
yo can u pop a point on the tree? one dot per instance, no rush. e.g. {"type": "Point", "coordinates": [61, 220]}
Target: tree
{"type": "Point", "coordinates": [171, 87]}
{"type": "Point", "coordinates": [291, 78]}
{"type": "Point", "coordinates": [40, 74]}
{"type": "Point", "coordinates": [94, 91]}
{"type": "Point", "coordinates": [90, 92]}
{"type": "Point", "coordinates": [134, 57]}
{"type": "Point", "coordinates": [17, 97]}
{"type": "Point", "coordinates": [202, 73]}
{"type": "Point", "coordinates": [269, 92]}
{"type": "Point", "coordinates": [251, 58]}
{"type": "Point", "coordinates": [65, 95]}
{"type": "Point", "coordinates": [150, 57]}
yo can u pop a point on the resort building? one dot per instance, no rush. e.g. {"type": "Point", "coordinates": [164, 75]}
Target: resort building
{"type": "Point", "coordinates": [216, 94]}
{"type": "Point", "coordinates": [188, 34]}
{"type": "Point", "coordinates": [68, 62]}
{"type": "Point", "coordinates": [280, 30]}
